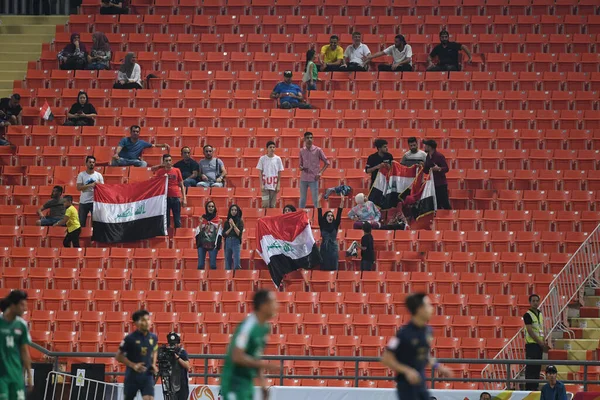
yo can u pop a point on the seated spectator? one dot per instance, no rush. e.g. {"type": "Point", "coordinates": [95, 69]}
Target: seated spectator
{"type": "Point", "coordinates": [188, 167]}
{"type": "Point", "coordinates": [99, 57]}
{"type": "Point", "coordinates": [401, 54]}
{"type": "Point", "coordinates": [332, 55]}
{"type": "Point", "coordinates": [130, 74]}
{"type": "Point", "coordinates": [56, 205]}
{"type": "Point", "coordinates": [447, 54]}
{"type": "Point", "coordinates": [364, 211]}
{"type": "Point", "coordinates": [129, 151]}
{"type": "Point", "coordinates": [414, 155]}
{"type": "Point", "coordinates": [311, 71]}
{"type": "Point", "coordinates": [74, 55]}
{"type": "Point", "coordinates": [288, 93]}
{"type": "Point", "coordinates": [289, 208]}
{"type": "Point", "coordinates": [81, 113]}
{"type": "Point", "coordinates": [355, 55]}
{"type": "Point", "coordinates": [10, 110]}
{"type": "Point", "coordinates": [113, 7]}
{"type": "Point", "coordinates": [212, 169]}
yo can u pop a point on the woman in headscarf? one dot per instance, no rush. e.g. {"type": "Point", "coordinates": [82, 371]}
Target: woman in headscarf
{"type": "Point", "coordinates": [365, 211]}
{"type": "Point", "coordinates": [329, 226]}
{"type": "Point", "coordinates": [232, 232]}
{"type": "Point", "coordinates": [82, 113]}
{"type": "Point", "coordinates": [99, 57]}
{"type": "Point", "coordinates": [208, 236]}
{"type": "Point", "coordinates": [130, 74]}
{"type": "Point", "coordinates": [74, 55]}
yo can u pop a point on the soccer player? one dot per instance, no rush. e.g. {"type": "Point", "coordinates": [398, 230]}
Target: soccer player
{"type": "Point", "coordinates": [14, 354]}
{"type": "Point", "coordinates": [138, 351]}
{"type": "Point", "coordinates": [409, 352]}
{"type": "Point", "coordinates": [243, 363]}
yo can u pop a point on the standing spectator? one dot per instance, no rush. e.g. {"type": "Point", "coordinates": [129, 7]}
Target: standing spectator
{"type": "Point", "coordinates": [289, 94]}
{"type": "Point", "coordinates": [311, 71]}
{"type": "Point", "coordinates": [86, 182]}
{"type": "Point", "coordinates": [535, 343]}
{"type": "Point", "coordinates": [71, 220]}
{"type": "Point", "coordinates": [332, 55]}
{"type": "Point", "coordinates": [188, 167]}
{"type": "Point", "coordinates": [232, 232]}
{"type": "Point", "coordinates": [10, 110]}
{"type": "Point", "coordinates": [113, 7]}
{"type": "Point", "coordinates": [129, 151]}
{"type": "Point", "coordinates": [74, 55]}
{"type": "Point", "coordinates": [381, 158]}
{"type": "Point", "coordinates": [447, 54]}
{"type": "Point", "coordinates": [436, 162]}
{"type": "Point", "coordinates": [208, 238]}
{"type": "Point", "coordinates": [329, 226]}
{"type": "Point", "coordinates": [414, 155]}
{"type": "Point", "coordinates": [289, 209]}
{"type": "Point", "coordinates": [212, 169]}
{"type": "Point", "coordinates": [355, 55]}
{"type": "Point", "coordinates": [310, 163]}
{"type": "Point", "coordinates": [130, 74]}
{"type": "Point", "coordinates": [100, 55]}
{"type": "Point", "coordinates": [175, 189]}
{"type": "Point", "coordinates": [365, 211]}
{"type": "Point", "coordinates": [367, 247]}
{"type": "Point", "coordinates": [82, 113]}
{"type": "Point", "coordinates": [400, 52]}
{"type": "Point", "coordinates": [554, 389]}
{"type": "Point", "coordinates": [56, 205]}
{"type": "Point", "coordinates": [270, 167]}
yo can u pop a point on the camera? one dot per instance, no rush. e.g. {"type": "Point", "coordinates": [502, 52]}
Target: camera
{"type": "Point", "coordinates": [167, 363]}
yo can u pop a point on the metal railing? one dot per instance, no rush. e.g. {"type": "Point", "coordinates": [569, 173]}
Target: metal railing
{"type": "Point", "coordinates": [566, 288]}
{"type": "Point", "coordinates": [61, 383]}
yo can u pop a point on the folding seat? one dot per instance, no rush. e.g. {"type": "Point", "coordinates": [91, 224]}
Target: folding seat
{"type": "Point", "coordinates": [116, 278]}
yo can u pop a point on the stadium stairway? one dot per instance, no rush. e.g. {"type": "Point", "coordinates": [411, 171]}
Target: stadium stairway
{"type": "Point", "coordinates": [22, 37]}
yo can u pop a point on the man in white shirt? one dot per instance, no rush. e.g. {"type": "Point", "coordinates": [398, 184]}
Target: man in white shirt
{"type": "Point", "coordinates": [86, 182]}
{"type": "Point", "coordinates": [401, 54]}
{"type": "Point", "coordinates": [413, 156]}
{"type": "Point", "coordinates": [270, 167]}
{"type": "Point", "coordinates": [355, 55]}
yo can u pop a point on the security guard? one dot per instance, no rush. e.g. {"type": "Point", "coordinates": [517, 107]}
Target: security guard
{"type": "Point", "coordinates": [535, 344]}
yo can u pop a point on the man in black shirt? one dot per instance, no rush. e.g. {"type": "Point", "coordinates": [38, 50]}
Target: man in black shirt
{"type": "Point", "coordinates": [409, 352]}
{"type": "Point", "coordinates": [378, 159]}
{"type": "Point", "coordinates": [447, 54]}
{"type": "Point", "coordinates": [10, 110]}
{"type": "Point", "coordinates": [367, 247]}
{"type": "Point", "coordinates": [113, 7]}
{"type": "Point", "coordinates": [188, 167]}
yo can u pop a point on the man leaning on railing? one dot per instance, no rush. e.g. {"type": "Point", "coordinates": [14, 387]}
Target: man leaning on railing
{"type": "Point", "coordinates": [535, 344]}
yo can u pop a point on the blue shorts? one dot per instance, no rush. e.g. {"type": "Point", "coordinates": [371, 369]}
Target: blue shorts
{"type": "Point", "coordinates": [141, 383]}
{"type": "Point", "coordinates": [407, 391]}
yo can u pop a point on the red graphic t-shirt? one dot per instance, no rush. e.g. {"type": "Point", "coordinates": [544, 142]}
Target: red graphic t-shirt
{"type": "Point", "coordinates": [175, 179]}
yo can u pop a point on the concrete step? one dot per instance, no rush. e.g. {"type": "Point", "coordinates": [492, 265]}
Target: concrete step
{"type": "Point", "coordinates": [38, 38]}
{"type": "Point", "coordinates": [18, 47]}
{"type": "Point", "coordinates": [8, 65]}
{"type": "Point", "coordinates": [12, 20]}
{"type": "Point", "coordinates": [576, 344]}
{"type": "Point", "coordinates": [28, 29]}
{"type": "Point", "coordinates": [13, 75]}
{"type": "Point", "coordinates": [21, 56]}
{"type": "Point", "coordinates": [6, 84]}
{"type": "Point", "coordinates": [584, 333]}
{"type": "Point", "coordinates": [585, 323]}
{"type": "Point", "coordinates": [592, 301]}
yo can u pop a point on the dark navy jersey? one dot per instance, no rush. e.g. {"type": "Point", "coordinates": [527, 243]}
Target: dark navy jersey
{"type": "Point", "coordinates": [412, 347]}
{"type": "Point", "coordinates": [138, 348]}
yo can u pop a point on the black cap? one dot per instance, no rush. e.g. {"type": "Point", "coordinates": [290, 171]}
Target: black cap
{"type": "Point", "coordinates": [287, 74]}
{"type": "Point", "coordinates": [551, 369]}
{"type": "Point", "coordinates": [430, 142]}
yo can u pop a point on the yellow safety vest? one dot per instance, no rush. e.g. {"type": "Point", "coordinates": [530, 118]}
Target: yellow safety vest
{"type": "Point", "coordinates": [537, 324]}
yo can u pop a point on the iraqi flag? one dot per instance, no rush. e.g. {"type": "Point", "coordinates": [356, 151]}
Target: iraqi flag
{"type": "Point", "coordinates": [46, 112]}
{"type": "Point", "coordinates": [130, 212]}
{"type": "Point", "coordinates": [423, 195]}
{"type": "Point", "coordinates": [286, 243]}
{"type": "Point", "coordinates": [391, 184]}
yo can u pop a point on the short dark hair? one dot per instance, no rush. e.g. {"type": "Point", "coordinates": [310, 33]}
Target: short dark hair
{"type": "Point", "coordinates": [15, 297]}
{"type": "Point", "coordinates": [186, 147]}
{"type": "Point", "coordinates": [367, 228]}
{"type": "Point", "coordinates": [166, 156]}
{"type": "Point", "coordinates": [68, 198]}
{"type": "Point", "coordinates": [431, 143]}
{"type": "Point", "coordinates": [401, 38]}
{"type": "Point", "coordinates": [3, 304]}
{"type": "Point", "coordinates": [379, 143]}
{"type": "Point", "coordinates": [532, 296]}
{"type": "Point", "coordinates": [88, 158]}
{"type": "Point", "coordinates": [334, 37]}
{"type": "Point", "coordinates": [291, 207]}
{"type": "Point", "coordinates": [412, 139]}
{"type": "Point", "coordinates": [270, 142]}
{"type": "Point", "coordinates": [308, 133]}
{"type": "Point", "coordinates": [58, 187]}
{"type": "Point", "coordinates": [132, 127]}
{"type": "Point", "coordinates": [139, 314]}
{"type": "Point", "coordinates": [356, 34]}
{"type": "Point", "coordinates": [16, 96]}
{"type": "Point", "coordinates": [485, 393]}
{"type": "Point", "coordinates": [414, 302]}
{"type": "Point", "coordinates": [207, 145]}
{"type": "Point", "coordinates": [260, 297]}
{"type": "Point", "coordinates": [444, 32]}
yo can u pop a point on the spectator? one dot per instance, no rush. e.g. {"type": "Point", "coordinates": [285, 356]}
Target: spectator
{"type": "Point", "coordinates": [365, 211]}
{"type": "Point", "coordinates": [310, 162]}
{"type": "Point", "coordinates": [74, 55]}
{"type": "Point", "coordinates": [113, 7]}
{"type": "Point", "coordinates": [401, 54]}
{"type": "Point", "coordinates": [86, 182]}
{"type": "Point", "coordinates": [99, 57]}
{"type": "Point", "coordinates": [130, 74]}
{"type": "Point", "coordinates": [56, 205]}
{"type": "Point", "coordinates": [554, 389]}
{"type": "Point", "coordinates": [311, 71]}
{"type": "Point", "coordinates": [188, 167]}
{"type": "Point", "coordinates": [436, 162]}
{"type": "Point", "coordinates": [10, 110]}
{"type": "Point", "coordinates": [270, 167]}
{"type": "Point", "coordinates": [367, 248]}
{"type": "Point", "coordinates": [332, 55]}
{"type": "Point", "coordinates": [355, 55]}
{"type": "Point", "coordinates": [208, 238]}
{"type": "Point", "coordinates": [129, 151]}
{"type": "Point", "coordinates": [82, 113]}
{"type": "Point", "coordinates": [535, 343]}
{"type": "Point", "coordinates": [381, 158]}
{"type": "Point", "coordinates": [212, 169]}
{"type": "Point", "coordinates": [3, 141]}
{"type": "Point", "coordinates": [289, 94]}
{"type": "Point", "coordinates": [175, 189]}
{"type": "Point", "coordinates": [447, 54]}
{"type": "Point", "coordinates": [485, 396]}
{"type": "Point", "coordinates": [329, 226]}
{"type": "Point", "coordinates": [232, 232]}
{"type": "Point", "coordinates": [289, 208]}
{"type": "Point", "coordinates": [414, 155]}
{"type": "Point", "coordinates": [71, 220]}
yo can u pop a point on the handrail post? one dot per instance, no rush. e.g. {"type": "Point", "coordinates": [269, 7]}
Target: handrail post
{"type": "Point", "coordinates": [433, 378]}
{"type": "Point", "coordinates": [281, 372]}
{"type": "Point", "coordinates": [206, 370]}
{"type": "Point", "coordinates": [508, 376]}
{"type": "Point", "coordinates": [356, 373]}
{"type": "Point", "coordinates": [585, 377]}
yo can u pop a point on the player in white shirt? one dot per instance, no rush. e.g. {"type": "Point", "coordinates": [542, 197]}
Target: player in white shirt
{"type": "Point", "coordinates": [86, 182]}
{"type": "Point", "coordinates": [401, 54]}
{"type": "Point", "coordinates": [355, 55]}
{"type": "Point", "coordinates": [270, 167]}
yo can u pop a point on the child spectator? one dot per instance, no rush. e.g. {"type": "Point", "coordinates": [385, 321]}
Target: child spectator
{"type": "Point", "coordinates": [270, 167]}
{"type": "Point", "coordinates": [71, 220]}
{"type": "Point", "coordinates": [289, 208]}
{"type": "Point", "coordinates": [130, 74]}
{"type": "Point", "coordinates": [367, 249]}
{"type": "Point", "coordinates": [208, 236]}
{"type": "Point", "coordinates": [99, 57]}
{"type": "Point", "coordinates": [232, 232]}
{"type": "Point", "coordinates": [311, 71]}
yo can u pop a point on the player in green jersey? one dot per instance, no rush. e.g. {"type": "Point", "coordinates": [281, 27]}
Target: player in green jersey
{"type": "Point", "coordinates": [243, 363]}
{"type": "Point", "coordinates": [14, 353]}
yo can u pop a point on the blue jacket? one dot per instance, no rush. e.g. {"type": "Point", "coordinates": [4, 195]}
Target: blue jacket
{"type": "Point", "coordinates": [557, 393]}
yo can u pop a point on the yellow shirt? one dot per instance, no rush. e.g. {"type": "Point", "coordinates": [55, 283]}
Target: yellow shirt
{"type": "Point", "coordinates": [331, 56]}
{"type": "Point", "coordinates": [73, 219]}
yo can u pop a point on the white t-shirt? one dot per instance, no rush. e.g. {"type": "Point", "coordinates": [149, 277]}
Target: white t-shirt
{"type": "Point", "coordinates": [355, 55]}
{"type": "Point", "coordinates": [87, 195]}
{"type": "Point", "coordinates": [270, 167]}
{"type": "Point", "coordinates": [398, 55]}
